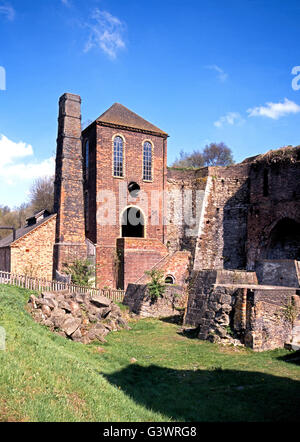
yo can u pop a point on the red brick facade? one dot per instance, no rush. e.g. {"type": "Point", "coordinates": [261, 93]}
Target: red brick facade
{"type": "Point", "coordinates": [100, 179]}
{"type": "Point", "coordinates": [137, 255]}
{"type": "Point", "coordinates": [68, 198]}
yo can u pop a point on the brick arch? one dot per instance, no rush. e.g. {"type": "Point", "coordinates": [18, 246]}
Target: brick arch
{"type": "Point", "coordinates": [283, 241]}
{"type": "Point", "coordinates": [259, 233]}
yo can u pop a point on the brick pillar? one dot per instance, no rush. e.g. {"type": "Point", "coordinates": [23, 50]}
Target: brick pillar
{"type": "Point", "coordinates": [68, 194]}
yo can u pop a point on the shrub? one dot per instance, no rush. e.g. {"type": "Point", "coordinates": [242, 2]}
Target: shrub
{"type": "Point", "coordinates": [290, 311]}
{"type": "Point", "coordinates": [81, 272]}
{"type": "Point", "coordinates": [156, 286]}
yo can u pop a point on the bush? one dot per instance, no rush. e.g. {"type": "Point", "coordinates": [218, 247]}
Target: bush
{"type": "Point", "coordinates": [156, 286]}
{"type": "Point", "coordinates": [81, 272]}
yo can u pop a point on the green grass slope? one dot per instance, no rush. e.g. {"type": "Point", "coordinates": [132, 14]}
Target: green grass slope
{"type": "Point", "coordinates": [44, 377]}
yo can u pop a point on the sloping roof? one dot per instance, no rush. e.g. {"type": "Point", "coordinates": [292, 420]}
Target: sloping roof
{"type": "Point", "coordinates": [119, 115]}
{"type": "Point", "coordinates": [8, 240]}
{"type": "Point", "coordinates": [36, 215]}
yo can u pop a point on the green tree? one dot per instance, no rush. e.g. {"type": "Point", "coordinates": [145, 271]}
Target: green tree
{"type": "Point", "coordinates": [156, 286]}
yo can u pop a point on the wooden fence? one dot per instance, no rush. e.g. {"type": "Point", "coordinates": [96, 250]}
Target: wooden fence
{"type": "Point", "coordinates": [42, 285]}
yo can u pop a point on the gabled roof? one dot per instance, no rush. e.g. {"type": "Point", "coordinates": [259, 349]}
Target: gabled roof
{"type": "Point", "coordinates": [119, 115]}
{"type": "Point", "coordinates": [8, 240]}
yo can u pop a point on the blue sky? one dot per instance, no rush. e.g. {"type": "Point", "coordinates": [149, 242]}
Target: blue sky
{"type": "Point", "coordinates": [202, 71]}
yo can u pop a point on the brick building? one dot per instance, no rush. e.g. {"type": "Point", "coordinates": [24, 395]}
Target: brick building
{"type": "Point", "coordinates": [116, 198]}
{"type": "Point", "coordinates": [30, 250]}
{"type": "Point", "coordinates": [125, 164]}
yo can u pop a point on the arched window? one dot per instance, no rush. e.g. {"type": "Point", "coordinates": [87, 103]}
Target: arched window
{"type": "Point", "coordinates": [87, 147]}
{"type": "Point", "coordinates": [169, 279]}
{"type": "Point", "coordinates": [118, 157]}
{"type": "Point", "coordinates": [147, 161]}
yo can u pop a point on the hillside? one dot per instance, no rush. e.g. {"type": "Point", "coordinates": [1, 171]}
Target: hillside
{"type": "Point", "coordinates": [44, 377]}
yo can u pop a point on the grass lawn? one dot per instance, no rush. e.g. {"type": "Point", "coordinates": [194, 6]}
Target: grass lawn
{"type": "Point", "coordinates": [44, 377]}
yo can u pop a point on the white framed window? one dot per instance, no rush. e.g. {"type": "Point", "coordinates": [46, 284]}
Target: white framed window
{"type": "Point", "coordinates": [118, 156]}
{"type": "Point", "coordinates": [147, 161]}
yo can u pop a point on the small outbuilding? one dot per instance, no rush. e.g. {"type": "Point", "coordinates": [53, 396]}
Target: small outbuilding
{"type": "Point", "coordinates": [30, 250]}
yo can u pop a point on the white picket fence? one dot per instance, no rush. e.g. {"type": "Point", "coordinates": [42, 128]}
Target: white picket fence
{"type": "Point", "coordinates": [43, 285]}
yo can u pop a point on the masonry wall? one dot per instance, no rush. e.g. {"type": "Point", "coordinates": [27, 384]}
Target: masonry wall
{"type": "Point", "coordinates": [177, 265]}
{"type": "Point", "coordinates": [267, 326]}
{"type": "Point", "coordinates": [118, 197]}
{"type": "Point", "coordinates": [225, 311]}
{"type": "Point", "coordinates": [89, 174]}
{"type": "Point", "coordinates": [68, 194]}
{"type": "Point", "coordinates": [223, 230]}
{"type": "Point", "coordinates": [139, 301]}
{"type": "Point", "coordinates": [135, 256]}
{"type": "Point", "coordinates": [212, 295]}
{"type": "Point", "coordinates": [184, 208]}
{"type": "Point", "coordinates": [274, 197]}
{"type": "Point", "coordinates": [33, 253]}
{"type": "Point", "coordinates": [278, 272]}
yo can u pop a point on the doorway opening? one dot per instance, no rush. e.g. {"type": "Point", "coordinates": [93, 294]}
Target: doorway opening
{"type": "Point", "coordinates": [133, 223]}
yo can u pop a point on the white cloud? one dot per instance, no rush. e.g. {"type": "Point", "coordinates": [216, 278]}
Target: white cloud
{"type": "Point", "coordinates": [9, 150]}
{"type": "Point", "coordinates": [7, 10]}
{"type": "Point", "coordinates": [230, 118]}
{"type": "Point", "coordinates": [13, 167]}
{"type": "Point", "coordinates": [275, 110]}
{"type": "Point", "coordinates": [222, 76]}
{"type": "Point", "coordinates": [105, 33]}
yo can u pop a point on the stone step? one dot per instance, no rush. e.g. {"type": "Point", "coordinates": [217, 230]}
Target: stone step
{"type": "Point", "coordinates": [292, 346]}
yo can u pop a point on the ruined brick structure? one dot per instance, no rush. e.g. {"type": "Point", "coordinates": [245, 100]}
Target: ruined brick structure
{"type": "Point", "coordinates": [241, 218]}
{"type": "Point", "coordinates": [223, 217]}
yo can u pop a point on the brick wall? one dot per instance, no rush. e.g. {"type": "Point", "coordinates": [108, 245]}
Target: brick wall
{"type": "Point", "coordinates": [185, 197]}
{"type": "Point", "coordinates": [177, 265]}
{"type": "Point", "coordinates": [224, 311]}
{"type": "Point", "coordinates": [136, 255]}
{"type": "Point", "coordinates": [68, 195]}
{"type": "Point", "coordinates": [267, 327]}
{"type": "Point", "coordinates": [223, 229]}
{"type": "Point", "coordinates": [89, 134]}
{"type": "Point", "coordinates": [33, 253]}
{"type": "Point", "coordinates": [274, 196]}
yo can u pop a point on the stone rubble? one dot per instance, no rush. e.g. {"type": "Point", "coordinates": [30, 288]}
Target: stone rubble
{"type": "Point", "coordinates": [81, 318]}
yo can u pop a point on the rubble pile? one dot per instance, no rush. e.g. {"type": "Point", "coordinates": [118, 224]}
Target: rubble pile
{"type": "Point", "coordinates": [82, 318]}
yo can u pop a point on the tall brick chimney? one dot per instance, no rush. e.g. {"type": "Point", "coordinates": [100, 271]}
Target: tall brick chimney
{"type": "Point", "coordinates": [68, 194]}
